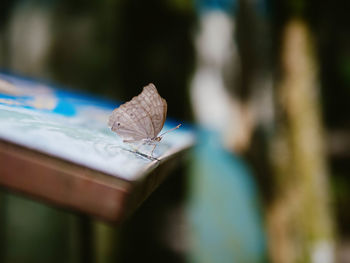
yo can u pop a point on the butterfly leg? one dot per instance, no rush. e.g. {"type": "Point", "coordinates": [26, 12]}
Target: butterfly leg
{"type": "Point", "coordinates": [132, 143]}
{"type": "Point", "coordinates": [154, 147]}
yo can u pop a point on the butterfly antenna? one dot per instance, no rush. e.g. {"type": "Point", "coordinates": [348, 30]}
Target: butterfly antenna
{"type": "Point", "coordinates": [178, 126]}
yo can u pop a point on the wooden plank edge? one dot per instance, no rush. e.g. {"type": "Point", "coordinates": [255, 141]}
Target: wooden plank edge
{"type": "Point", "coordinates": [62, 183]}
{"type": "Point", "coordinates": [74, 187]}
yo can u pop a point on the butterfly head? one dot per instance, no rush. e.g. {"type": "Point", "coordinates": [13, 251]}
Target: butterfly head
{"type": "Point", "coordinates": [158, 139]}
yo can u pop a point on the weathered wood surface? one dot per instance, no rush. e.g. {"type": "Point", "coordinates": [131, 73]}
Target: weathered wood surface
{"type": "Point", "coordinates": [57, 146]}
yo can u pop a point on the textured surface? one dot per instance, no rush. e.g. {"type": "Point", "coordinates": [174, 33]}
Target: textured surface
{"type": "Point", "coordinates": [74, 127]}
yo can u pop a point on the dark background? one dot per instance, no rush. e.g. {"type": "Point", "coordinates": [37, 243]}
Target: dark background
{"type": "Point", "coordinates": [113, 48]}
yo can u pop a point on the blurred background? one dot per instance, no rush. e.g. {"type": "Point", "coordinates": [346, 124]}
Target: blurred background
{"type": "Point", "coordinates": [266, 85]}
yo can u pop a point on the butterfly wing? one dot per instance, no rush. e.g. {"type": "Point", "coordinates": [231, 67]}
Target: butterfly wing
{"type": "Point", "coordinates": [142, 117]}
{"type": "Point", "coordinates": [155, 106]}
{"type": "Point", "coordinates": [122, 124]}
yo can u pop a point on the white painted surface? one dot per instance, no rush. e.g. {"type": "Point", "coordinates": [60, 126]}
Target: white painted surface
{"type": "Point", "coordinates": [83, 138]}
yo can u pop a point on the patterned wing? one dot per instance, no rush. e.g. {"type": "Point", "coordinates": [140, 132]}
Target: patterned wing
{"type": "Point", "coordinates": [121, 123]}
{"type": "Point", "coordinates": [155, 106]}
{"type": "Point", "coordinates": [142, 117]}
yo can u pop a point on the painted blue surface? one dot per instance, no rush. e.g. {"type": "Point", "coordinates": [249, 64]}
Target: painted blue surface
{"type": "Point", "coordinates": [74, 126]}
{"type": "Point", "coordinates": [67, 102]}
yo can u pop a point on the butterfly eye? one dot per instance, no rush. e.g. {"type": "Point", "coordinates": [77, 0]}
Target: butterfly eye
{"type": "Point", "coordinates": [118, 123]}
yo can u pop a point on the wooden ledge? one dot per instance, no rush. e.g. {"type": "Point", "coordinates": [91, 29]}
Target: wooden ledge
{"type": "Point", "coordinates": [56, 146]}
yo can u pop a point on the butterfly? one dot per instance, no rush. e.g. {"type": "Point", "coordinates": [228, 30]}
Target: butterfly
{"type": "Point", "coordinates": [142, 118]}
